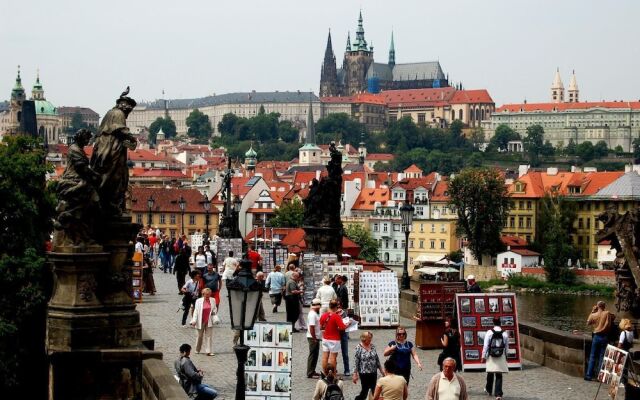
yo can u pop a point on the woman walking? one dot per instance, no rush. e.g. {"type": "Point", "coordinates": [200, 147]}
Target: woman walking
{"type": "Point", "coordinates": [451, 342]}
{"type": "Point", "coordinates": [367, 364]}
{"type": "Point", "coordinates": [191, 292]}
{"type": "Point", "coordinates": [204, 313]}
{"type": "Point", "coordinates": [391, 386]}
{"type": "Point", "coordinates": [402, 351]}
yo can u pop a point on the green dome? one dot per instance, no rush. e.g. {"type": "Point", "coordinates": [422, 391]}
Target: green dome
{"type": "Point", "coordinates": [251, 153]}
{"type": "Point", "coordinates": [44, 107]}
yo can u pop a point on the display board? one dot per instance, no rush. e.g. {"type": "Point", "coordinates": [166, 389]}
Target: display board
{"type": "Point", "coordinates": [349, 270]}
{"type": "Point", "coordinates": [268, 368]}
{"type": "Point", "coordinates": [313, 267]}
{"type": "Point", "coordinates": [136, 277]}
{"type": "Point", "coordinates": [437, 300]}
{"type": "Point", "coordinates": [612, 369]}
{"type": "Point", "coordinates": [223, 247]}
{"type": "Point", "coordinates": [475, 317]}
{"type": "Point", "coordinates": [272, 257]}
{"type": "Point", "coordinates": [197, 240]}
{"type": "Point", "coordinates": [379, 298]}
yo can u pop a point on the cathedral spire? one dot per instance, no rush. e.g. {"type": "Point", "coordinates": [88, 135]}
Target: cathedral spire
{"type": "Point", "coordinates": [348, 41]}
{"type": "Point", "coordinates": [360, 42]}
{"type": "Point", "coordinates": [392, 52]}
{"type": "Point", "coordinates": [328, 52]}
{"type": "Point", "coordinates": [18, 86]}
{"type": "Point", "coordinates": [311, 135]}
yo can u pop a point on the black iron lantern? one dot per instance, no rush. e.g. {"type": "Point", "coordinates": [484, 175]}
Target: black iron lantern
{"type": "Point", "coordinates": [245, 294]}
{"type": "Point", "coordinates": [237, 204]}
{"type": "Point", "coordinates": [406, 212]}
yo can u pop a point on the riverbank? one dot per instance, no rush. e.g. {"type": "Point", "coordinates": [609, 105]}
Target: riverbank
{"type": "Point", "coordinates": [533, 285]}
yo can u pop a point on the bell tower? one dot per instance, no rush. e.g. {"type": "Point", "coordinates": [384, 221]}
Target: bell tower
{"type": "Point", "coordinates": [557, 89]}
{"type": "Point", "coordinates": [357, 59]}
{"type": "Point", "coordinates": [18, 97]}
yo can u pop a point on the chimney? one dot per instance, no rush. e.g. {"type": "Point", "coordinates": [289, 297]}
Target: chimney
{"type": "Point", "coordinates": [552, 171]}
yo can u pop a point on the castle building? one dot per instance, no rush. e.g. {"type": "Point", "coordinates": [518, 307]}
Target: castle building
{"type": "Point", "coordinates": [360, 73]}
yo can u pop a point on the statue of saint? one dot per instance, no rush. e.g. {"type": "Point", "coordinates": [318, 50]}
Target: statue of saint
{"type": "Point", "coordinates": [109, 156]}
{"type": "Point", "coordinates": [78, 200]}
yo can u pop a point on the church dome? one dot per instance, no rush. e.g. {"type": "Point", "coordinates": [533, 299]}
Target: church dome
{"type": "Point", "coordinates": [251, 153]}
{"type": "Point", "coordinates": [44, 107]}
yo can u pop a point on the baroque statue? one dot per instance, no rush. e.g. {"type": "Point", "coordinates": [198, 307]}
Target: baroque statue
{"type": "Point", "coordinates": [623, 230]}
{"type": "Point", "coordinates": [109, 158]}
{"type": "Point", "coordinates": [78, 200]}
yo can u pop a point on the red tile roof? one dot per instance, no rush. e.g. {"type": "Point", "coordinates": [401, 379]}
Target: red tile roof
{"type": "Point", "coordinates": [161, 173]}
{"type": "Point", "coordinates": [368, 197]}
{"type": "Point", "coordinates": [525, 252]}
{"type": "Point", "coordinates": [144, 155]}
{"type": "Point", "coordinates": [471, 97]}
{"type": "Point", "coordinates": [513, 241]}
{"type": "Point", "coordinates": [379, 157]}
{"type": "Point", "coordinates": [550, 107]}
{"type": "Point", "coordinates": [536, 183]}
{"type": "Point", "coordinates": [361, 98]}
{"type": "Point", "coordinates": [295, 238]}
{"type": "Point", "coordinates": [413, 168]}
{"type": "Point", "coordinates": [166, 200]}
{"type": "Point", "coordinates": [441, 192]}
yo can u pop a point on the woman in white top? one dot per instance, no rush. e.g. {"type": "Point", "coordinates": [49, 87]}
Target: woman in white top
{"type": "Point", "coordinates": [201, 260]}
{"type": "Point", "coordinates": [203, 313]}
{"type": "Point", "coordinates": [626, 335]}
{"type": "Point", "coordinates": [230, 265]}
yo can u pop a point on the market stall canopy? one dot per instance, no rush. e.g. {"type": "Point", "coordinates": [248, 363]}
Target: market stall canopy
{"type": "Point", "coordinates": [435, 270]}
{"type": "Point", "coordinates": [423, 258]}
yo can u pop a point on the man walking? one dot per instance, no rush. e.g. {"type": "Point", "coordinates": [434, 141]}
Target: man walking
{"type": "Point", "coordinates": [260, 279]}
{"type": "Point", "coordinates": [472, 285]}
{"type": "Point", "coordinates": [313, 337]}
{"type": "Point", "coordinates": [292, 299]}
{"type": "Point", "coordinates": [212, 281]}
{"type": "Point", "coordinates": [494, 353]}
{"type": "Point", "coordinates": [275, 284]}
{"type": "Point", "coordinates": [325, 294]}
{"type": "Point", "coordinates": [447, 384]}
{"type": "Point", "coordinates": [602, 321]}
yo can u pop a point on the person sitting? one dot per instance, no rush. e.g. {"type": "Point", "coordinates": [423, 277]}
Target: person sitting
{"type": "Point", "coordinates": [330, 385]}
{"type": "Point", "coordinates": [190, 377]}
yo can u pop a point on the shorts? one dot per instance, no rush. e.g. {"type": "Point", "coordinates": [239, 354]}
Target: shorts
{"type": "Point", "coordinates": [331, 346]}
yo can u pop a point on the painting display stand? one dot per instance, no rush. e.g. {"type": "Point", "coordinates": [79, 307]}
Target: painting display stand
{"type": "Point", "coordinates": [436, 303]}
{"type": "Point", "coordinates": [268, 366]}
{"type": "Point", "coordinates": [378, 298]}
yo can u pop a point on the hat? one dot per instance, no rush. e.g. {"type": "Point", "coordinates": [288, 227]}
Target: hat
{"type": "Point", "coordinates": [316, 302]}
{"type": "Point", "coordinates": [471, 278]}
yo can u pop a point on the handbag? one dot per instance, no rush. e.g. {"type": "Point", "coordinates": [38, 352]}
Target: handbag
{"type": "Point", "coordinates": [215, 319]}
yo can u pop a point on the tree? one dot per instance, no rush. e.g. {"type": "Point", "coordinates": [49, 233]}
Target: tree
{"type": "Point", "coordinates": [553, 236]}
{"type": "Point", "coordinates": [198, 124]}
{"type": "Point", "coordinates": [533, 143]}
{"type": "Point", "coordinates": [547, 149]}
{"type": "Point", "coordinates": [600, 149]}
{"type": "Point", "coordinates": [477, 137]}
{"type": "Point", "coordinates": [287, 132]}
{"type": "Point", "coordinates": [585, 151]}
{"type": "Point", "coordinates": [167, 125]}
{"type": "Point", "coordinates": [26, 212]}
{"type": "Point", "coordinates": [456, 137]}
{"type": "Point", "coordinates": [227, 125]}
{"type": "Point", "coordinates": [362, 237]}
{"type": "Point", "coordinates": [636, 150]}
{"type": "Point", "coordinates": [619, 151]}
{"type": "Point", "coordinates": [502, 136]}
{"type": "Point", "coordinates": [571, 148]}
{"type": "Point", "coordinates": [481, 200]}
{"type": "Point", "coordinates": [289, 215]}
{"type": "Point", "coordinates": [339, 126]}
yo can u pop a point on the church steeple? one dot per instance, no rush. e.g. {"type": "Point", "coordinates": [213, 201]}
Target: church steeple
{"type": "Point", "coordinates": [392, 53]}
{"type": "Point", "coordinates": [348, 41]}
{"type": "Point", "coordinates": [360, 42]}
{"type": "Point", "coordinates": [573, 91]}
{"type": "Point", "coordinates": [17, 93]}
{"type": "Point", "coordinates": [310, 138]}
{"type": "Point", "coordinates": [37, 92]}
{"type": "Point", "coordinates": [557, 88]}
{"type": "Point", "coordinates": [329, 72]}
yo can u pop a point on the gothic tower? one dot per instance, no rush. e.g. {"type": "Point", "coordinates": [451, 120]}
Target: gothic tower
{"type": "Point", "coordinates": [357, 59]}
{"type": "Point", "coordinates": [573, 91]}
{"type": "Point", "coordinates": [329, 73]}
{"type": "Point", "coordinates": [392, 53]}
{"type": "Point", "coordinates": [18, 96]}
{"type": "Point", "coordinates": [37, 92]}
{"type": "Point", "coordinates": [557, 89]}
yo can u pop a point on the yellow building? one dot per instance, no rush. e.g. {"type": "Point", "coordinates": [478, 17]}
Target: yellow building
{"type": "Point", "coordinates": [432, 239]}
{"type": "Point", "coordinates": [166, 214]}
{"type": "Point", "coordinates": [521, 220]}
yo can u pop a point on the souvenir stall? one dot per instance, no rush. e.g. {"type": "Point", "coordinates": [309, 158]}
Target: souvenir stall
{"type": "Point", "coordinates": [223, 247]}
{"type": "Point", "coordinates": [436, 303]}
{"type": "Point", "coordinates": [268, 366]}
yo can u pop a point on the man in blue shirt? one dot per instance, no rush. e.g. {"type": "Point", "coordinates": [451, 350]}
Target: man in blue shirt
{"type": "Point", "coordinates": [275, 284]}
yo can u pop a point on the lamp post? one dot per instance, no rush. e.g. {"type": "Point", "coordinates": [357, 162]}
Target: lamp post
{"type": "Point", "coordinates": [182, 203]}
{"type": "Point", "coordinates": [406, 211]}
{"type": "Point", "coordinates": [244, 294]}
{"type": "Point", "coordinates": [237, 205]}
{"type": "Point", "coordinates": [150, 203]}
{"type": "Point", "coordinates": [206, 204]}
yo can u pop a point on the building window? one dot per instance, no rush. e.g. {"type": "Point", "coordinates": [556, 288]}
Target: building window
{"type": "Point", "coordinates": [139, 218]}
{"type": "Point", "coordinates": [395, 244]}
{"type": "Point", "coordinates": [172, 219]}
{"type": "Point", "coordinates": [432, 244]}
{"type": "Point", "coordinates": [528, 205]}
{"type": "Point", "coordinates": [192, 219]}
{"type": "Point", "coordinates": [520, 222]}
{"type": "Point", "coordinates": [396, 227]}
{"type": "Point", "coordinates": [528, 222]}
{"type": "Point", "coordinates": [375, 227]}
{"type": "Point", "coordinates": [421, 228]}
{"type": "Point", "coordinates": [588, 223]}
{"type": "Point", "coordinates": [421, 244]}
{"type": "Point", "coordinates": [512, 222]}
{"type": "Point", "coordinates": [411, 244]}
{"type": "Point", "coordinates": [521, 204]}
{"type": "Point", "coordinates": [386, 244]}
{"type": "Point", "coordinates": [403, 244]}
{"type": "Point", "coordinates": [397, 257]}
{"type": "Point", "coordinates": [442, 243]}
{"type": "Point", "coordinates": [385, 228]}
{"type": "Point", "coordinates": [433, 228]}
{"type": "Point", "coordinates": [580, 223]}
{"type": "Point", "coordinates": [421, 118]}
{"type": "Point", "coordinates": [442, 228]}
{"type": "Point", "coordinates": [162, 219]}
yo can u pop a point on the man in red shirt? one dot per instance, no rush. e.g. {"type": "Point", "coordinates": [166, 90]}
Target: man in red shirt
{"type": "Point", "coordinates": [256, 259]}
{"type": "Point", "coordinates": [331, 324]}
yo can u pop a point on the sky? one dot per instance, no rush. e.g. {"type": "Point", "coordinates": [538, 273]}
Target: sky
{"type": "Point", "coordinates": [89, 51]}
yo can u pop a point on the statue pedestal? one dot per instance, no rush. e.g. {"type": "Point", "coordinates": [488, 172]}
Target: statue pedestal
{"type": "Point", "coordinates": [324, 240]}
{"type": "Point", "coordinates": [93, 329]}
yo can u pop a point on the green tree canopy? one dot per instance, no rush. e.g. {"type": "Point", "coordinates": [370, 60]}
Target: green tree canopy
{"type": "Point", "coordinates": [482, 202]}
{"type": "Point", "coordinates": [167, 125]}
{"type": "Point", "coordinates": [26, 212]}
{"type": "Point", "coordinates": [198, 124]}
{"type": "Point", "coordinates": [553, 237]}
{"type": "Point", "coordinates": [289, 215]}
{"type": "Point", "coordinates": [585, 151]}
{"type": "Point", "coordinates": [502, 136]}
{"type": "Point", "coordinates": [339, 126]}
{"type": "Point", "coordinates": [601, 149]}
{"type": "Point", "coordinates": [534, 143]}
{"type": "Point", "coordinates": [362, 237]}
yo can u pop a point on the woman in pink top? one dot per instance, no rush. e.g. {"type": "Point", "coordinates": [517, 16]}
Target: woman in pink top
{"type": "Point", "coordinates": [203, 312]}
{"type": "Point", "coordinates": [331, 324]}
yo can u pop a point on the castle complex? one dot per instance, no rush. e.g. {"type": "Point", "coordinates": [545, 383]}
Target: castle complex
{"type": "Point", "coordinates": [359, 72]}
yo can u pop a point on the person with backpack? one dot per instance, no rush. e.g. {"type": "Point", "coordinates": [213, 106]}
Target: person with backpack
{"type": "Point", "coordinates": [392, 386]}
{"type": "Point", "coordinates": [626, 335]}
{"type": "Point", "coordinates": [330, 386]}
{"type": "Point", "coordinates": [494, 354]}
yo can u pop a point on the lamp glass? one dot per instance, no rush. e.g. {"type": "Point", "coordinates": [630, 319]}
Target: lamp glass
{"type": "Point", "coordinates": [236, 303]}
{"type": "Point", "coordinates": [237, 204]}
{"type": "Point", "coordinates": [150, 202]}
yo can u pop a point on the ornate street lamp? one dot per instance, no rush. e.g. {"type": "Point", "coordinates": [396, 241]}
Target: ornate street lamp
{"type": "Point", "coordinates": [150, 203]}
{"type": "Point", "coordinates": [206, 204]}
{"type": "Point", "coordinates": [406, 211]}
{"type": "Point", "coordinates": [244, 294]}
{"type": "Point", "coordinates": [182, 203]}
{"type": "Point", "coordinates": [237, 205]}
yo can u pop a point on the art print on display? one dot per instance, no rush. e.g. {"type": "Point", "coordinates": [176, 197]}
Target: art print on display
{"type": "Point", "coordinates": [283, 360]}
{"type": "Point", "coordinates": [136, 272]}
{"type": "Point", "coordinates": [472, 354]}
{"type": "Point", "coordinates": [135, 282]}
{"type": "Point", "coordinates": [468, 322]}
{"type": "Point", "coordinates": [506, 321]}
{"type": "Point", "coordinates": [479, 306]}
{"type": "Point", "coordinates": [512, 336]}
{"type": "Point", "coordinates": [252, 358]}
{"type": "Point", "coordinates": [468, 338]}
{"type": "Point", "coordinates": [612, 368]}
{"type": "Point", "coordinates": [266, 358]}
{"type": "Point", "coordinates": [268, 336]}
{"type": "Point", "coordinates": [284, 335]}
{"type": "Point", "coordinates": [507, 306]}
{"type": "Point", "coordinates": [266, 382]}
{"type": "Point", "coordinates": [486, 322]}
{"type": "Point", "coordinates": [282, 383]}
{"type": "Point", "coordinates": [251, 381]}
{"type": "Point", "coordinates": [251, 337]}
{"type": "Point", "coordinates": [481, 336]}
{"type": "Point", "coordinates": [465, 306]}
{"type": "Point", "coordinates": [494, 305]}
{"type": "Point", "coordinates": [511, 353]}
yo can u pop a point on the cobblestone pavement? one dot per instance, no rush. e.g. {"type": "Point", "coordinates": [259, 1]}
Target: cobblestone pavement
{"type": "Point", "coordinates": [161, 320]}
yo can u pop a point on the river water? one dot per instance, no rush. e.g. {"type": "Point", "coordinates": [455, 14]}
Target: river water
{"type": "Point", "coordinates": [564, 312]}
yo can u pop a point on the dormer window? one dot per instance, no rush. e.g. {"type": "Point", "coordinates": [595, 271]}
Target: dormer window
{"type": "Point", "coordinates": [519, 187]}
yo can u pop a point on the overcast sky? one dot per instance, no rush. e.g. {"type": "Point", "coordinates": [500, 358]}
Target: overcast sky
{"type": "Point", "coordinates": [88, 51]}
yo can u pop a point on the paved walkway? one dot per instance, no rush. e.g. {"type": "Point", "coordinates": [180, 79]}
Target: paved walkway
{"type": "Point", "coordinates": [161, 320]}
